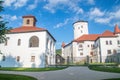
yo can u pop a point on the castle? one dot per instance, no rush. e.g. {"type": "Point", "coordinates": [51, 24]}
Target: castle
{"type": "Point", "coordinates": [85, 47]}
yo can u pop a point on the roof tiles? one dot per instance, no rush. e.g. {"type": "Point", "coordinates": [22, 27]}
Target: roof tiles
{"type": "Point", "coordinates": [26, 29]}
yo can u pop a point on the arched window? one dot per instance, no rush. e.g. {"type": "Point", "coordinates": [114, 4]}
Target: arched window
{"type": "Point", "coordinates": [50, 45]}
{"type": "Point", "coordinates": [34, 41]}
{"type": "Point", "coordinates": [47, 43]}
{"type": "Point", "coordinates": [19, 42]}
{"type": "Point", "coordinates": [28, 21]}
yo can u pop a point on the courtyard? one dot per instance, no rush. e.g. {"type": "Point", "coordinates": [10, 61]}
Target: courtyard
{"type": "Point", "coordinates": [70, 73]}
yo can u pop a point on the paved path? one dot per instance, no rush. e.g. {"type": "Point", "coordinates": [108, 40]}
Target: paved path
{"type": "Point", "coordinates": [71, 73]}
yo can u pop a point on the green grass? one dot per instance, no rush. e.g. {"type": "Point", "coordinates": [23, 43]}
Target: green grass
{"type": "Point", "coordinates": [31, 69]}
{"type": "Point", "coordinates": [105, 68]}
{"type": "Point", "coordinates": [113, 79]}
{"type": "Point", "coordinates": [15, 77]}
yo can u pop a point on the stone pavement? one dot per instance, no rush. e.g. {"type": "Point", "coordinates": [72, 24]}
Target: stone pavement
{"type": "Point", "coordinates": [71, 73]}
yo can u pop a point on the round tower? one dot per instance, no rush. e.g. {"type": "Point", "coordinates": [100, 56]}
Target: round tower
{"type": "Point", "coordinates": [80, 28]}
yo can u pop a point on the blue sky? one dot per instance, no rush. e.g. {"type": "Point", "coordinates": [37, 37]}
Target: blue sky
{"type": "Point", "coordinates": [57, 16]}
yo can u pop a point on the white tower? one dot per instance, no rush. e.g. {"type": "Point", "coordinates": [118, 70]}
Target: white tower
{"type": "Point", "coordinates": [80, 28]}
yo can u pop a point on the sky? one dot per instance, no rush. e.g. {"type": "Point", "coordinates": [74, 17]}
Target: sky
{"type": "Point", "coordinates": [58, 16]}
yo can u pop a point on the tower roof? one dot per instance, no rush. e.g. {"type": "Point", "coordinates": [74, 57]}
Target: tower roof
{"type": "Point", "coordinates": [63, 44]}
{"type": "Point", "coordinates": [80, 21]}
{"type": "Point", "coordinates": [116, 29]}
{"type": "Point", "coordinates": [29, 16]}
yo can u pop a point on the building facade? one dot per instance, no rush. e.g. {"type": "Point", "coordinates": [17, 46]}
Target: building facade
{"type": "Point", "coordinates": [95, 47]}
{"type": "Point", "coordinates": [28, 46]}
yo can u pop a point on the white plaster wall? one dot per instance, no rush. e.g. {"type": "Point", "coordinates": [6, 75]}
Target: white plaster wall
{"type": "Point", "coordinates": [67, 51]}
{"type": "Point", "coordinates": [12, 50]}
{"type": "Point", "coordinates": [104, 47]}
{"type": "Point", "coordinates": [85, 49]}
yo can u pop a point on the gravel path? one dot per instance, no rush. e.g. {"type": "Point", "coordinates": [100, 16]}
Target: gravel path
{"type": "Point", "coordinates": [71, 73]}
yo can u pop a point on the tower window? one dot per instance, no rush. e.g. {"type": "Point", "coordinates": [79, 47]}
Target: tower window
{"type": "Point", "coordinates": [28, 21]}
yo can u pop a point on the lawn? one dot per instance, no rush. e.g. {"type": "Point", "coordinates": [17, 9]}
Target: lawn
{"type": "Point", "coordinates": [105, 68]}
{"type": "Point", "coordinates": [113, 79]}
{"type": "Point", "coordinates": [15, 77]}
{"type": "Point", "coordinates": [31, 69]}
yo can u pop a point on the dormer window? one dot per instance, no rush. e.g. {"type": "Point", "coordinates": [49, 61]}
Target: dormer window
{"type": "Point", "coordinates": [28, 21]}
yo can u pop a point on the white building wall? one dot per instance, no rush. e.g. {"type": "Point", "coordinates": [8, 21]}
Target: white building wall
{"type": "Point", "coordinates": [67, 52]}
{"type": "Point", "coordinates": [12, 50]}
{"type": "Point", "coordinates": [103, 48]}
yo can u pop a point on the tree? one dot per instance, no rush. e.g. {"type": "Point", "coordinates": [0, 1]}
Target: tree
{"type": "Point", "coordinates": [3, 28]}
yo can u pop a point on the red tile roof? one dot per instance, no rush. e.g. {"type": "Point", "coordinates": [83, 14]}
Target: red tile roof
{"type": "Point", "coordinates": [26, 29]}
{"type": "Point", "coordinates": [116, 30]}
{"type": "Point", "coordinates": [63, 44]}
{"type": "Point", "coordinates": [107, 33]}
{"type": "Point", "coordinates": [87, 37]}
{"type": "Point", "coordinates": [93, 37]}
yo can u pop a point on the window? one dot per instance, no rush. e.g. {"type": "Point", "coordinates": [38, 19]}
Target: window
{"type": "Point", "coordinates": [118, 42]}
{"type": "Point", "coordinates": [6, 42]}
{"type": "Point", "coordinates": [106, 42]}
{"type": "Point", "coordinates": [91, 53]}
{"type": "Point", "coordinates": [19, 42]}
{"type": "Point", "coordinates": [88, 45]}
{"type": "Point", "coordinates": [32, 58]}
{"type": "Point", "coordinates": [80, 46]}
{"type": "Point", "coordinates": [81, 26]}
{"type": "Point", "coordinates": [109, 51]}
{"type": "Point", "coordinates": [114, 51]}
{"type": "Point", "coordinates": [110, 42]}
{"type": "Point", "coordinates": [81, 31]}
{"type": "Point", "coordinates": [34, 41]}
{"type": "Point", "coordinates": [3, 58]}
{"type": "Point", "coordinates": [28, 21]}
{"type": "Point", "coordinates": [81, 53]}
{"type": "Point", "coordinates": [18, 58]}
{"type": "Point", "coordinates": [50, 45]}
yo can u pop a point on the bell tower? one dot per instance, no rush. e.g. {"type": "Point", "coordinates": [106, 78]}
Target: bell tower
{"type": "Point", "coordinates": [29, 21]}
{"type": "Point", "coordinates": [80, 28]}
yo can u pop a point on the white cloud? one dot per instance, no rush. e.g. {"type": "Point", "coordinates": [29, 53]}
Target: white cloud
{"type": "Point", "coordinates": [115, 14]}
{"type": "Point", "coordinates": [103, 20]}
{"type": "Point", "coordinates": [20, 3]}
{"type": "Point", "coordinates": [95, 12]}
{"type": "Point", "coordinates": [33, 6]}
{"type": "Point", "coordinates": [13, 17]}
{"type": "Point", "coordinates": [15, 3]}
{"type": "Point", "coordinates": [72, 5]}
{"type": "Point", "coordinates": [9, 2]}
{"type": "Point", "coordinates": [62, 24]}
{"type": "Point", "coordinates": [67, 21]}
{"type": "Point", "coordinates": [91, 2]}
{"type": "Point", "coordinates": [9, 17]}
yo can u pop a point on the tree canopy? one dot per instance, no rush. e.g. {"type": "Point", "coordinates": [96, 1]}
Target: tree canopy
{"type": "Point", "coordinates": [3, 28]}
